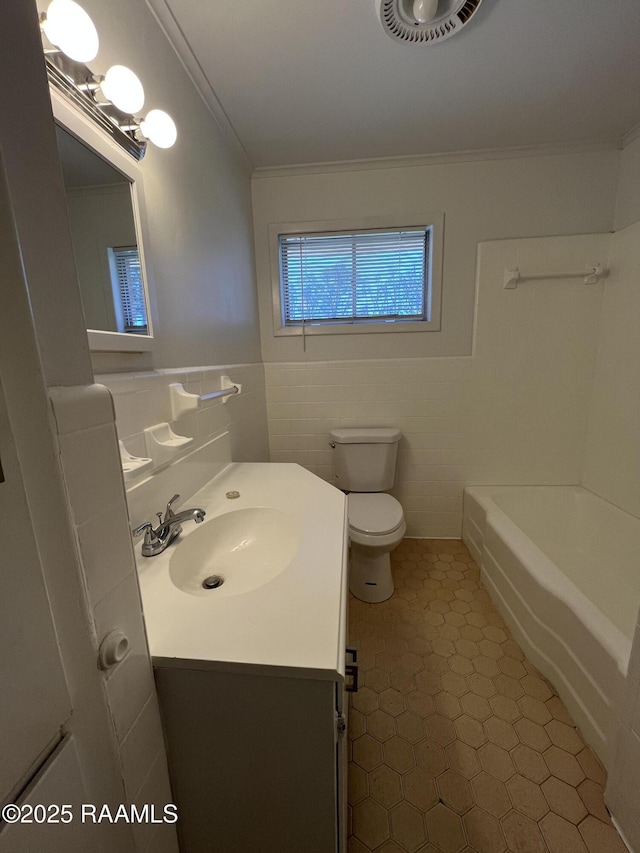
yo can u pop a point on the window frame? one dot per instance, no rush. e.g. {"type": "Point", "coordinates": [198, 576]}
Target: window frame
{"type": "Point", "coordinates": [433, 295]}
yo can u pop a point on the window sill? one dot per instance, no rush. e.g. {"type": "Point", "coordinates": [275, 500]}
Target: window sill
{"type": "Point", "coordinates": [118, 342]}
{"type": "Point", "coordinates": [359, 328]}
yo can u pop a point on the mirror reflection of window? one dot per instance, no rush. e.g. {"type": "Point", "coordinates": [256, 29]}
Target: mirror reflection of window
{"type": "Point", "coordinates": [104, 239]}
{"type": "Point", "coordinates": [128, 289]}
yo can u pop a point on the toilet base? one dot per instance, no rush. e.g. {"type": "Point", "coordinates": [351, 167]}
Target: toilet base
{"type": "Point", "coordinates": [370, 577]}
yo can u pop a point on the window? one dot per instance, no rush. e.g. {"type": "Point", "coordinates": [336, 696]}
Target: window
{"type": "Point", "coordinates": [128, 290]}
{"type": "Point", "coordinates": [332, 280]}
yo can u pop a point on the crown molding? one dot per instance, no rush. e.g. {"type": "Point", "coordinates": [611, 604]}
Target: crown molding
{"type": "Point", "coordinates": [404, 162]}
{"type": "Point", "coordinates": [175, 36]}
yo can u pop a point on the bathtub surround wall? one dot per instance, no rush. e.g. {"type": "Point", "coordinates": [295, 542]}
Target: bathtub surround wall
{"type": "Point", "coordinates": [628, 195]}
{"type": "Point", "coordinates": [465, 420]}
{"type": "Point", "coordinates": [612, 459]}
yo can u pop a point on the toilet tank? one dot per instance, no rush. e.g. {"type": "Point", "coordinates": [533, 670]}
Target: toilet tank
{"type": "Point", "coordinates": [364, 460]}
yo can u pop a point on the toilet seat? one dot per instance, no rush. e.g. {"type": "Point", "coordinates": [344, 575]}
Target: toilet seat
{"type": "Point", "coordinates": [374, 513]}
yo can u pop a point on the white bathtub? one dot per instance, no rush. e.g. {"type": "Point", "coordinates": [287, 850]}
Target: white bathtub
{"type": "Point", "coordinates": [563, 567]}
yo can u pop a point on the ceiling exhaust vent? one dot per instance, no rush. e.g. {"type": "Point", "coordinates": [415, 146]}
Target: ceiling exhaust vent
{"type": "Point", "coordinates": [425, 21]}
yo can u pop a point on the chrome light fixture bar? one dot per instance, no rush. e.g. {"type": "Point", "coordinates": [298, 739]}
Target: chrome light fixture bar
{"type": "Point", "coordinates": [77, 83]}
{"type": "Point", "coordinates": [70, 39]}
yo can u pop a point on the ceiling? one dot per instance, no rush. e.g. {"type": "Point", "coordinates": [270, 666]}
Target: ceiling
{"type": "Point", "coordinates": [304, 82]}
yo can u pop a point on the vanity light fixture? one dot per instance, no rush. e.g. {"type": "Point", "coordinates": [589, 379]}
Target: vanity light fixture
{"type": "Point", "coordinates": [160, 128]}
{"type": "Point", "coordinates": [123, 88]}
{"type": "Point", "coordinates": [70, 40]}
{"type": "Point", "coordinates": [71, 30]}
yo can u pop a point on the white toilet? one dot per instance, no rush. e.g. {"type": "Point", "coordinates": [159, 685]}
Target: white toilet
{"type": "Point", "coordinates": [364, 465]}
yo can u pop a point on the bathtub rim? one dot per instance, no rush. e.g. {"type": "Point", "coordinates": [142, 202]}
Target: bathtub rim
{"type": "Point", "coordinates": [616, 643]}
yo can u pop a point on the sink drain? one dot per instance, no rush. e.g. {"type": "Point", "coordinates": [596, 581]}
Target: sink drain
{"type": "Point", "coordinates": [213, 582]}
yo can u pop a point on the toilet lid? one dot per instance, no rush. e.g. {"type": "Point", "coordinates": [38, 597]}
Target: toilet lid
{"type": "Point", "coordinates": [374, 513]}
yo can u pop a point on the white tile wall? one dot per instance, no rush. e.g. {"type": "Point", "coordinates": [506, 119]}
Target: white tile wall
{"type": "Point", "coordinates": [514, 412]}
{"type": "Point", "coordinates": [84, 419]}
{"type": "Point", "coordinates": [429, 400]}
{"type": "Point", "coordinates": [142, 400]}
{"type": "Point", "coordinates": [184, 477]}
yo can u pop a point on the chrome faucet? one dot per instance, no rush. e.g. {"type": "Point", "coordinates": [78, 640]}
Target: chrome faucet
{"type": "Point", "coordinates": [156, 540]}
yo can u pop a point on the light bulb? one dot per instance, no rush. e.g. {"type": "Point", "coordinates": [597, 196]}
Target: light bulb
{"type": "Point", "coordinates": [425, 10]}
{"type": "Point", "coordinates": [69, 28]}
{"type": "Point", "coordinates": [160, 128]}
{"type": "Point", "coordinates": [123, 89]}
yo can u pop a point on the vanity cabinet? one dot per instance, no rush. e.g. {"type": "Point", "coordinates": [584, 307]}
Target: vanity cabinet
{"type": "Point", "coordinates": [257, 759]}
{"type": "Point", "coordinates": [251, 677]}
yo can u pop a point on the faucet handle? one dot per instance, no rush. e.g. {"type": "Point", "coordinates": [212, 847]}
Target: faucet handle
{"type": "Point", "coordinates": [150, 537]}
{"type": "Point", "coordinates": [169, 512]}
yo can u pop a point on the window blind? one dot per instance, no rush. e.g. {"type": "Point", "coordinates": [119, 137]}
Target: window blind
{"type": "Point", "coordinates": [130, 289]}
{"type": "Point", "coordinates": [366, 276]}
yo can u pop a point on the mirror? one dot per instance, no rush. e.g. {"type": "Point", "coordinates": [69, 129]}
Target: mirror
{"type": "Point", "coordinates": [105, 243]}
{"type": "Point", "coordinates": [94, 165]}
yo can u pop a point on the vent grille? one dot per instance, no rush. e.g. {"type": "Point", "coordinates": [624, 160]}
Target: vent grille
{"type": "Point", "coordinates": [468, 9]}
{"type": "Point", "coordinates": [395, 24]}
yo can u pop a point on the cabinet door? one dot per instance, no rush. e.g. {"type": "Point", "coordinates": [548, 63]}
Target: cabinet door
{"type": "Point", "coordinates": [252, 760]}
{"type": "Point", "coordinates": [35, 700]}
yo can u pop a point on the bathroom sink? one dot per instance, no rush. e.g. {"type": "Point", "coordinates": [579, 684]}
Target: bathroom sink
{"type": "Point", "coordinates": [235, 552]}
{"type": "Point", "coordinates": [277, 535]}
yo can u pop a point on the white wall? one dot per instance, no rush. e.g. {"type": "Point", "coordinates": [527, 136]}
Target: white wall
{"type": "Point", "coordinates": [481, 200]}
{"type": "Point", "coordinates": [198, 208]}
{"type": "Point", "coordinates": [515, 412]}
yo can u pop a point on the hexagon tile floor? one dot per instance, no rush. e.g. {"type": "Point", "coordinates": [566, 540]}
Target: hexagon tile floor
{"type": "Point", "coordinates": [457, 743]}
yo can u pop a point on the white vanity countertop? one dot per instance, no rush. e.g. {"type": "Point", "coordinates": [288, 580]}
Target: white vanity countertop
{"type": "Point", "coordinates": [296, 621]}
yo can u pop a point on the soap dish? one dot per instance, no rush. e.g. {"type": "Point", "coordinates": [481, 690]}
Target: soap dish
{"type": "Point", "coordinates": [163, 443]}
{"type": "Point", "coordinates": [133, 466]}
